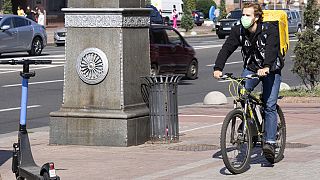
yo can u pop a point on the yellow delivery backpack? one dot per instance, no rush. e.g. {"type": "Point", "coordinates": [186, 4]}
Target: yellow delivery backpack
{"type": "Point", "coordinates": [279, 18]}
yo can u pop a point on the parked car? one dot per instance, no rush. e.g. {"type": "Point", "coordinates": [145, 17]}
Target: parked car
{"type": "Point", "coordinates": [170, 53]}
{"type": "Point", "coordinates": [223, 26]}
{"type": "Point", "coordinates": [198, 17]}
{"type": "Point", "coordinates": [60, 37]}
{"type": "Point", "coordinates": [294, 21]}
{"type": "Point", "coordinates": [18, 33]}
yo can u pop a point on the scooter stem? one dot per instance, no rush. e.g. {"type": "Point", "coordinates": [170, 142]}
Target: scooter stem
{"type": "Point", "coordinates": [24, 103]}
{"type": "Point", "coordinates": [25, 74]}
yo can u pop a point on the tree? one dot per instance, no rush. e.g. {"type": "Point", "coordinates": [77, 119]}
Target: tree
{"type": "Point", "coordinates": [191, 4]}
{"type": "Point", "coordinates": [223, 10]}
{"type": "Point", "coordinates": [307, 50]}
{"type": "Point", "coordinates": [204, 6]}
{"type": "Point", "coordinates": [7, 7]}
{"type": "Point", "coordinates": [187, 19]}
{"type": "Point", "coordinates": [148, 2]}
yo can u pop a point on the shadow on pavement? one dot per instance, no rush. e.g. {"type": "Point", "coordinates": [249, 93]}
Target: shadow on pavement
{"type": "Point", "coordinates": [256, 158]}
{"type": "Point", "coordinates": [4, 156]}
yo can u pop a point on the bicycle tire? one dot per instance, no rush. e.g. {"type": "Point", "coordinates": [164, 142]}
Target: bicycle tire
{"type": "Point", "coordinates": [234, 116]}
{"type": "Point", "coordinates": [280, 137]}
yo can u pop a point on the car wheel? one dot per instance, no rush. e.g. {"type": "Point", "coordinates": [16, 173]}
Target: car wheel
{"type": "Point", "coordinates": [192, 70]}
{"type": "Point", "coordinates": [221, 36]}
{"type": "Point", "coordinates": [36, 47]}
{"type": "Point", "coordinates": [299, 30]}
{"type": "Point", "coordinates": [154, 70]}
{"type": "Point", "coordinates": [199, 24]}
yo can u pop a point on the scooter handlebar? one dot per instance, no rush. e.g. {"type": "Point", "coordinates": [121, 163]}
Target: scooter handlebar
{"type": "Point", "coordinates": [25, 61]}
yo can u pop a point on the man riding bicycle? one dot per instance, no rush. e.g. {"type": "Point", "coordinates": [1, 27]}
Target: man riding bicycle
{"type": "Point", "coordinates": [260, 47]}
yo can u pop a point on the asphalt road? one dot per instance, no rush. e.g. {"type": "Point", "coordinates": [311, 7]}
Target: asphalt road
{"type": "Point", "coordinates": [46, 89]}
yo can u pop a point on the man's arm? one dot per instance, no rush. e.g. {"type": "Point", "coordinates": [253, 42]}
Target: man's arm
{"type": "Point", "coordinates": [230, 45]}
{"type": "Point", "coordinates": [272, 46]}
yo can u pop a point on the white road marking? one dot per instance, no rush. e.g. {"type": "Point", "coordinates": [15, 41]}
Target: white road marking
{"type": "Point", "coordinates": [36, 57]}
{"type": "Point", "coordinates": [207, 46]}
{"type": "Point", "coordinates": [237, 62]}
{"type": "Point", "coordinates": [200, 115]}
{"type": "Point", "coordinates": [202, 127]}
{"type": "Point", "coordinates": [43, 67]}
{"type": "Point", "coordinates": [32, 83]}
{"type": "Point", "coordinates": [18, 108]}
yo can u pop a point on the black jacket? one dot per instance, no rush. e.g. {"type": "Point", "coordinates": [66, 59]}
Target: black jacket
{"type": "Point", "coordinates": [259, 50]}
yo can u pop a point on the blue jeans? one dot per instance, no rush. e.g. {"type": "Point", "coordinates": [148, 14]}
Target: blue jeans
{"type": "Point", "coordinates": [271, 86]}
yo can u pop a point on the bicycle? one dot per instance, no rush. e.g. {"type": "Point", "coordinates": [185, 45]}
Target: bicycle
{"type": "Point", "coordinates": [243, 127]}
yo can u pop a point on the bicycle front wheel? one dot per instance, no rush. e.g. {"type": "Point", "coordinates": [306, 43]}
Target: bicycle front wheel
{"type": "Point", "coordinates": [235, 143]}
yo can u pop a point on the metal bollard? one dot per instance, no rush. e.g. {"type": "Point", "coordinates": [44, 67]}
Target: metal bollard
{"type": "Point", "coordinates": [161, 98]}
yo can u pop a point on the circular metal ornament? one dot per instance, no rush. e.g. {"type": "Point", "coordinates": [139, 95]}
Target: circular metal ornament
{"type": "Point", "coordinates": [92, 66]}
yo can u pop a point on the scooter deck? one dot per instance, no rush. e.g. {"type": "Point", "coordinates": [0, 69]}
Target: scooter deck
{"type": "Point", "coordinates": [30, 172]}
{"type": "Point", "coordinates": [28, 168]}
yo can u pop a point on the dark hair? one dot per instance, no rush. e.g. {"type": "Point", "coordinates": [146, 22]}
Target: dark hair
{"type": "Point", "coordinates": [257, 9]}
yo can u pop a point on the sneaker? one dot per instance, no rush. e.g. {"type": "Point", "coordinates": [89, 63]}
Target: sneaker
{"type": "Point", "coordinates": [269, 151]}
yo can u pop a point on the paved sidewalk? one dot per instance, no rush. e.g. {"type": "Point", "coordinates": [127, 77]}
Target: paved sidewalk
{"type": "Point", "coordinates": [196, 156]}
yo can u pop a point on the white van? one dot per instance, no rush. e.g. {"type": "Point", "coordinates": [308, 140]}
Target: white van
{"type": "Point", "coordinates": [165, 7]}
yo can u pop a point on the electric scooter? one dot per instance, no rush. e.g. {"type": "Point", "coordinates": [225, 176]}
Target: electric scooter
{"type": "Point", "coordinates": [23, 164]}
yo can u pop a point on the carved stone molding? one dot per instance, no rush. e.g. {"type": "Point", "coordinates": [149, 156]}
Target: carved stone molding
{"type": "Point", "coordinates": [105, 20]}
{"type": "Point", "coordinates": [92, 66]}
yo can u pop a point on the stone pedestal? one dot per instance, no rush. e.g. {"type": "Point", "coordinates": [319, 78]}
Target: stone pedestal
{"type": "Point", "coordinates": [107, 51]}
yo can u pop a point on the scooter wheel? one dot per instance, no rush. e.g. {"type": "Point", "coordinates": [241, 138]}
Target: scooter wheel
{"type": "Point", "coordinates": [20, 178]}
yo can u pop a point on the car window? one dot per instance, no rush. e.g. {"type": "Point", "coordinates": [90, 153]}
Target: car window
{"type": "Point", "coordinates": [7, 22]}
{"type": "Point", "coordinates": [288, 15]}
{"type": "Point", "coordinates": [173, 37]}
{"type": "Point", "coordinates": [235, 15]}
{"type": "Point", "coordinates": [293, 15]}
{"type": "Point", "coordinates": [298, 15]}
{"type": "Point", "coordinates": [158, 36]}
{"type": "Point", "coordinates": [19, 22]}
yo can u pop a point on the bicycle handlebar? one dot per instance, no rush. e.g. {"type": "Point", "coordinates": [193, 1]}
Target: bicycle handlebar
{"type": "Point", "coordinates": [230, 76]}
{"type": "Point", "coordinates": [25, 61]}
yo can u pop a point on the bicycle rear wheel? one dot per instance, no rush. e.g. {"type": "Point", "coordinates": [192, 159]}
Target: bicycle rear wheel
{"type": "Point", "coordinates": [280, 137]}
{"type": "Point", "coordinates": [235, 145]}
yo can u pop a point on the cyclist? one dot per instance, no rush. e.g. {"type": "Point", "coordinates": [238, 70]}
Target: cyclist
{"type": "Point", "coordinates": [260, 56]}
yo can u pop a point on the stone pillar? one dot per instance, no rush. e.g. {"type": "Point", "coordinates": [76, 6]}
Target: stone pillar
{"type": "Point", "coordinates": [107, 51]}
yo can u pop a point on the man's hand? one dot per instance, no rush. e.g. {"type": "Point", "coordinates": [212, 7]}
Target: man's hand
{"type": "Point", "coordinates": [217, 74]}
{"type": "Point", "coordinates": [263, 72]}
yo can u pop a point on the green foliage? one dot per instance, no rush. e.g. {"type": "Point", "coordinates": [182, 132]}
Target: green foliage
{"type": "Point", "coordinates": [311, 14]}
{"type": "Point", "coordinates": [191, 4]}
{"type": "Point", "coordinates": [7, 7]}
{"type": "Point", "coordinates": [307, 50]}
{"type": "Point", "coordinates": [223, 10]}
{"type": "Point", "coordinates": [187, 19]}
{"type": "Point", "coordinates": [301, 92]}
{"type": "Point", "coordinates": [148, 2]}
{"type": "Point", "coordinates": [307, 60]}
{"type": "Point", "coordinates": [204, 6]}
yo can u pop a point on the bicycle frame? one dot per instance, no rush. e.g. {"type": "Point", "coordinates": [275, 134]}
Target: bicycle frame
{"type": "Point", "coordinates": [247, 102]}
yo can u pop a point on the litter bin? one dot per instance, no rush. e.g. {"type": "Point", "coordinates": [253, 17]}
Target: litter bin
{"type": "Point", "coordinates": [160, 94]}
